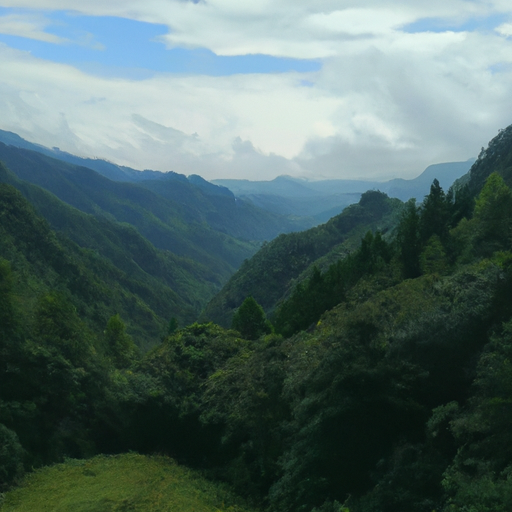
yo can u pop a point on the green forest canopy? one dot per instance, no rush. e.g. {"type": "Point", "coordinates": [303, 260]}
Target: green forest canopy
{"type": "Point", "coordinates": [393, 395]}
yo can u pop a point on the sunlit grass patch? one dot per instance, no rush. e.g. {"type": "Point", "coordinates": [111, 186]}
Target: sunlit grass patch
{"type": "Point", "coordinates": [128, 482]}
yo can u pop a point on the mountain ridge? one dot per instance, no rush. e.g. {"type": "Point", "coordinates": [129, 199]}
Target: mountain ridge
{"type": "Point", "coordinates": [323, 199]}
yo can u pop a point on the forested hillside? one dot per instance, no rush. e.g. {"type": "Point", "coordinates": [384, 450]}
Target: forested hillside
{"type": "Point", "coordinates": [167, 225]}
{"type": "Point", "coordinates": [383, 384]}
{"type": "Point", "coordinates": [191, 199]}
{"type": "Point", "coordinates": [274, 272]}
{"type": "Point", "coordinates": [140, 276]}
{"type": "Point", "coordinates": [182, 237]}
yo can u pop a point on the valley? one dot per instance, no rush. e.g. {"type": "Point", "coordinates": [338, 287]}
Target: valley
{"type": "Point", "coordinates": [217, 346]}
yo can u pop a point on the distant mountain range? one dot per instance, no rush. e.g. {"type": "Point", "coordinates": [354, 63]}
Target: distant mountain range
{"type": "Point", "coordinates": [322, 200]}
{"type": "Point", "coordinates": [199, 200]}
{"type": "Point", "coordinates": [295, 204]}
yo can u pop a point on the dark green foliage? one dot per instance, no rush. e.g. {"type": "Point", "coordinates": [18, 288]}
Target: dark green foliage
{"type": "Point", "coordinates": [58, 327]}
{"type": "Point", "coordinates": [167, 387]}
{"type": "Point", "coordinates": [173, 326]}
{"type": "Point", "coordinates": [119, 345]}
{"type": "Point", "coordinates": [364, 382]}
{"type": "Point", "coordinates": [250, 320]}
{"type": "Point", "coordinates": [53, 377]}
{"type": "Point", "coordinates": [217, 207]}
{"type": "Point", "coordinates": [423, 238]}
{"type": "Point", "coordinates": [54, 373]}
{"type": "Point", "coordinates": [165, 243]}
{"type": "Point", "coordinates": [356, 406]}
{"type": "Point", "coordinates": [120, 272]}
{"type": "Point", "coordinates": [331, 506]}
{"type": "Point", "coordinates": [373, 255]}
{"type": "Point", "coordinates": [307, 303]}
{"type": "Point", "coordinates": [462, 205]}
{"type": "Point", "coordinates": [11, 457]}
{"type": "Point", "coordinates": [490, 229]}
{"type": "Point", "coordinates": [433, 259]}
{"type": "Point", "coordinates": [168, 224]}
{"type": "Point", "coordinates": [354, 395]}
{"type": "Point", "coordinates": [435, 214]}
{"type": "Point", "coordinates": [244, 397]}
{"type": "Point", "coordinates": [277, 268]}
{"type": "Point", "coordinates": [408, 240]}
{"type": "Point", "coordinates": [497, 157]}
{"type": "Point", "coordinates": [322, 292]}
{"type": "Point", "coordinates": [480, 473]}
{"type": "Point", "coordinates": [7, 312]}
{"type": "Point", "coordinates": [493, 215]}
{"type": "Point", "coordinates": [375, 203]}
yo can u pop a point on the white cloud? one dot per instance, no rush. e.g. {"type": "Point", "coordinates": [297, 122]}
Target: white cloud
{"type": "Point", "coordinates": [385, 102]}
{"type": "Point", "coordinates": [31, 26]}
{"type": "Point", "coordinates": [167, 122]}
{"type": "Point", "coordinates": [288, 28]}
{"type": "Point", "coordinates": [425, 99]}
{"type": "Point", "coordinates": [505, 29]}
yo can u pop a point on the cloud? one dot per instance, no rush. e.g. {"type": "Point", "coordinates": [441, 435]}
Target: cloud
{"type": "Point", "coordinates": [169, 122]}
{"type": "Point", "coordinates": [388, 100]}
{"type": "Point", "coordinates": [38, 27]}
{"type": "Point", "coordinates": [289, 28]}
{"type": "Point", "coordinates": [505, 29]}
{"type": "Point", "coordinates": [31, 26]}
{"type": "Point", "coordinates": [421, 99]}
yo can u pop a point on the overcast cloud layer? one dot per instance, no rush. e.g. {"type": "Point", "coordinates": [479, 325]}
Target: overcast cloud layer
{"type": "Point", "coordinates": [397, 85]}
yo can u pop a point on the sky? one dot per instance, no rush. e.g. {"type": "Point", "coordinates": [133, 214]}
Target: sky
{"type": "Point", "coordinates": [366, 89]}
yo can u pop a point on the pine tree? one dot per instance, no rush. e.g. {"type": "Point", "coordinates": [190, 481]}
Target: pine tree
{"type": "Point", "coordinates": [250, 320]}
{"type": "Point", "coordinates": [408, 240]}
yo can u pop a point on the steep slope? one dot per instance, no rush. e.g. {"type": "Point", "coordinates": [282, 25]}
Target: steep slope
{"type": "Point", "coordinates": [278, 266]}
{"type": "Point", "coordinates": [206, 203]}
{"type": "Point", "coordinates": [396, 398]}
{"type": "Point", "coordinates": [145, 285]}
{"type": "Point", "coordinates": [218, 208]}
{"type": "Point", "coordinates": [497, 157]}
{"type": "Point", "coordinates": [168, 225]}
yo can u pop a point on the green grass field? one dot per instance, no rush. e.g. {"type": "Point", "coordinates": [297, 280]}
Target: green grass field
{"type": "Point", "coordinates": [128, 482]}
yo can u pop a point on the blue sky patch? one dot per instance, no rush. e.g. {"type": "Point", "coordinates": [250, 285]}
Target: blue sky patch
{"type": "Point", "coordinates": [442, 25]}
{"type": "Point", "coordinates": [121, 47]}
{"type": "Point", "coordinates": [501, 67]}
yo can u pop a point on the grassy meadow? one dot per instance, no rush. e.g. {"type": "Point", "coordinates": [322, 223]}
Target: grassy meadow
{"type": "Point", "coordinates": [128, 482]}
